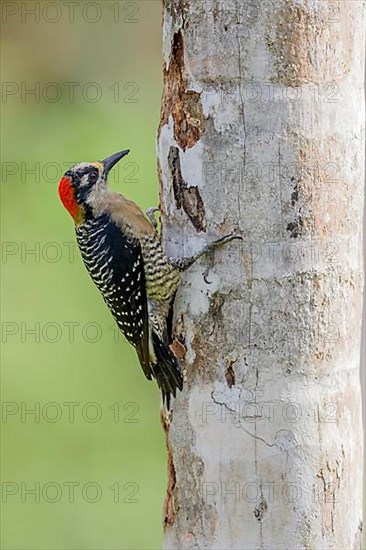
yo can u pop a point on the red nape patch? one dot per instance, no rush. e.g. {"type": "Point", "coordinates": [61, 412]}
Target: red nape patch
{"type": "Point", "coordinates": [67, 196]}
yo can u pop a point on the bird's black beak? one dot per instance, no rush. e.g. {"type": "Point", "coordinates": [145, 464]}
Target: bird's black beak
{"type": "Point", "coordinates": [109, 162]}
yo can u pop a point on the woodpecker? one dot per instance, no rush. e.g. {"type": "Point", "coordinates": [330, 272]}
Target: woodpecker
{"type": "Point", "coordinates": [122, 251]}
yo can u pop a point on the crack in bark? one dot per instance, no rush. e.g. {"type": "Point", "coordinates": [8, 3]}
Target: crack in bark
{"type": "Point", "coordinates": [242, 105]}
{"type": "Point", "coordinates": [222, 403]}
{"type": "Point", "coordinates": [169, 509]}
{"type": "Point", "coordinates": [280, 187]}
{"type": "Point", "coordinates": [278, 441]}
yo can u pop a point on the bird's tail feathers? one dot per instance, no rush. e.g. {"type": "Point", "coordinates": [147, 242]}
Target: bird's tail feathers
{"type": "Point", "coordinates": [166, 370]}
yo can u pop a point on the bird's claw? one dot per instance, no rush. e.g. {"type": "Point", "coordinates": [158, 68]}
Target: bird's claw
{"type": "Point", "coordinates": [236, 234]}
{"type": "Point", "coordinates": [150, 213]}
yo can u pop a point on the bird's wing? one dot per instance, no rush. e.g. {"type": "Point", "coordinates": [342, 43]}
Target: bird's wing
{"type": "Point", "coordinates": [125, 293]}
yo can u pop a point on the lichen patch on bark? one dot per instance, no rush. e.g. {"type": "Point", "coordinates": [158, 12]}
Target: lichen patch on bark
{"type": "Point", "coordinates": [184, 105]}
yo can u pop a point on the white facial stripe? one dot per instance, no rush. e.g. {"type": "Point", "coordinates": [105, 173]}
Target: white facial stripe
{"type": "Point", "coordinates": [84, 180]}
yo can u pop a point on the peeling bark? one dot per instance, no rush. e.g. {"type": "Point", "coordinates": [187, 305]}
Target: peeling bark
{"type": "Point", "coordinates": [184, 105]}
{"type": "Point", "coordinates": [188, 198]}
{"type": "Point", "coordinates": [262, 130]}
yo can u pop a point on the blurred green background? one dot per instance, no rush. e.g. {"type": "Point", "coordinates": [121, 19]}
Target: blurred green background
{"type": "Point", "coordinates": [95, 72]}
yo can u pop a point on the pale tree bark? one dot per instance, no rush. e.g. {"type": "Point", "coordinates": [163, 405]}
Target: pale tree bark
{"type": "Point", "coordinates": [262, 130]}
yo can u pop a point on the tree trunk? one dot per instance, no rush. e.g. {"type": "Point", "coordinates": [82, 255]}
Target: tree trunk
{"type": "Point", "coordinates": [262, 131]}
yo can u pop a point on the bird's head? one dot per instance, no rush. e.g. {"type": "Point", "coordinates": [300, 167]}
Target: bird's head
{"type": "Point", "coordinates": [78, 185]}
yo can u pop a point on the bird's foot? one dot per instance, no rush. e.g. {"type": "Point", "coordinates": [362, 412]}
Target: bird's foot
{"type": "Point", "coordinates": [184, 263]}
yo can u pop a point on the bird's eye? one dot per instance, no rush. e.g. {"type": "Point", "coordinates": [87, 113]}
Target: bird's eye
{"type": "Point", "coordinates": [93, 177]}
